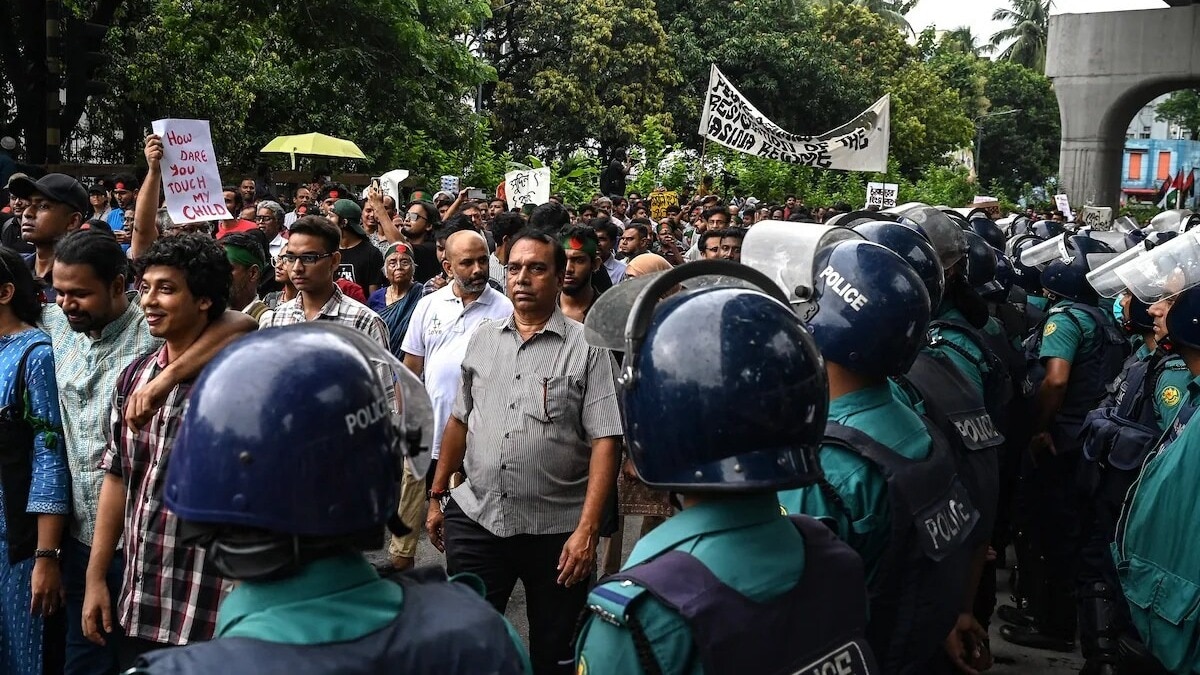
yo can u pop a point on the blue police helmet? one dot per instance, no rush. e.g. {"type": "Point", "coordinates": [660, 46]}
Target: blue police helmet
{"type": "Point", "coordinates": [307, 445]}
{"type": "Point", "coordinates": [1137, 315]}
{"type": "Point", "coordinates": [1047, 229]}
{"type": "Point", "coordinates": [1006, 278]}
{"type": "Point", "coordinates": [872, 309]}
{"type": "Point", "coordinates": [1183, 320]}
{"type": "Point", "coordinates": [741, 410]}
{"type": "Point", "coordinates": [1134, 238]}
{"type": "Point", "coordinates": [1028, 277]}
{"type": "Point", "coordinates": [990, 232]}
{"type": "Point", "coordinates": [914, 249]}
{"type": "Point", "coordinates": [981, 261]}
{"type": "Point", "coordinates": [1068, 278]}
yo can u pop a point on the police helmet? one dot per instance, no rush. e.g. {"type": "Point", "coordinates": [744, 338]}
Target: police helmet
{"type": "Point", "coordinates": [1006, 278]}
{"type": "Point", "coordinates": [1028, 277]}
{"type": "Point", "coordinates": [1067, 277]}
{"type": "Point", "coordinates": [304, 463]}
{"type": "Point", "coordinates": [1183, 319]}
{"type": "Point", "coordinates": [1136, 316]}
{"type": "Point", "coordinates": [958, 218]}
{"type": "Point", "coordinates": [854, 218]}
{"type": "Point", "coordinates": [981, 261]}
{"type": "Point", "coordinates": [990, 232]}
{"type": "Point", "coordinates": [1134, 238]}
{"type": "Point", "coordinates": [942, 232]}
{"type": "Point", "coordinates": [1020, 226]}
{"type": "Point", "coordinates": [914, 249]}
{"type": "Point", "coordinates": [757, 377]}
{"type": "Point", "coordinates": [1047, 229]}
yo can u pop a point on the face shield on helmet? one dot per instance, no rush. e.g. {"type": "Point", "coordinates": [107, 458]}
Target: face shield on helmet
{"type": "Point", "coordinates": [786, 254]}
{"type": "Point", "coordinates": [1164, 271]}
{"type": "Point", "coordinates": [1044, 252]}
{"type": "Point", "coordinates": [854, 218]}
{"type": "Point", "coordinates": [683, 435]}
{"type": "Point", "coordinates": [942, 232]}
{"type": "Point", "coordinates": [1104, 278]}
{"type": "Point", "coordinates": [1174, 220]}
{"type": "Point", "coordinates": [1125, 225]}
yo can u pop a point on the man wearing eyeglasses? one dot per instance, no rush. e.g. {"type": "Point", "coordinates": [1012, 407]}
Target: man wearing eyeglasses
{"type": "Point", "coordinates": [420, 218]}
{"type": "Point", "coordinates": [270, 219]}
{"type": "Point", "coordinates": [311, 261]}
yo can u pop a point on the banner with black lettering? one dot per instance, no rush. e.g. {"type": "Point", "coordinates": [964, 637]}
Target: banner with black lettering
{"type": "Point", "coordinates": [858, 145]}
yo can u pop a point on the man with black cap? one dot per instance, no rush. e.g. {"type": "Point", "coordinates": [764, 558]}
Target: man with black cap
{"type": "Point", "coordinates": [100, 201]}
{"type": "Point", "coordinates": [10, 221]}
{"type": "Point", "coordinates": [361, 263]}
{"type": "Point", "coordinates": [60, 202]}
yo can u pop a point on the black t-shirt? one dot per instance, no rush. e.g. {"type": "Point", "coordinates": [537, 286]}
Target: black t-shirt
{"type": "Point", "coordinates": [362, 264]}
{"type": "Point", "coordinates": [425, 257]}
{"type": "Point", "coordinates": [10, 235]}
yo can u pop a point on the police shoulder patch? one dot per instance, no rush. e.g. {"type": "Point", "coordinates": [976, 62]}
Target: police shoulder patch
{"type": "Point", "coordinates": [1049, 329]}
{"type": "Point", "coordinates": [1171, 396]}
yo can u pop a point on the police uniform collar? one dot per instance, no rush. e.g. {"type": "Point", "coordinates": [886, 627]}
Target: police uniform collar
{"type": "Point", "coordinates": [860, 400]}
{"type": "Point", "coordinates": [728, 513]}
{"type": "Point", "coordinates": [321, 578]}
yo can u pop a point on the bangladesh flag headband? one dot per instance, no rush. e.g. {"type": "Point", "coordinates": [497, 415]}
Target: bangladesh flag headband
{"type": "Point", "coordinates": [579, 244]}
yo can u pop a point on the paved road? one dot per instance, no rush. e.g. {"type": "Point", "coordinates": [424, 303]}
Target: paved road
{"type": "Point", "coordinates": [1010, 659]}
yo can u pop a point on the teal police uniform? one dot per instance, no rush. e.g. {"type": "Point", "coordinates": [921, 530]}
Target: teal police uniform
{"type": "Point", "coordinates": [973, 364]}
{"type": "Point", "coordinates": [743, 540]}
{"type": "Point", "coordinates": [1152, 550]}
{"type": "Point", "coordinates": [867, 530]}
{"type": "Point", "coordinates": [1063, 338]}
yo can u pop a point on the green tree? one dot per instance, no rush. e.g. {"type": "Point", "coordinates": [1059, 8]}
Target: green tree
{"type": "Point", "coordinates": [1182, 108]}
{"type": "Point", "coordinates": [891, 11]}
{"type": "Point", "coordinates": [1028, 30]}
{"type": "Point", "coordinates": [1022, 147]}
{"type": "Point", "coordinates": [964, 41]}
{"type": "Point", "coordinates": [928, 120]}
{"type": "Point", "coordinates": [574, 71]}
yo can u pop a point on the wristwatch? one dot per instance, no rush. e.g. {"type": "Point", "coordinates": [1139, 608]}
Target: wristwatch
{"type": "Point", "coordinates": [52, 553]}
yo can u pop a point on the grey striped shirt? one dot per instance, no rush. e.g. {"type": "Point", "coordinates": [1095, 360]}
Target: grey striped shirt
{"type": "Point", "coordinates": [532, 409]}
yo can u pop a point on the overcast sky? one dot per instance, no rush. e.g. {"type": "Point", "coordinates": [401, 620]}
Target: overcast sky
{"type": "Point", "coordinates": [950, 14]}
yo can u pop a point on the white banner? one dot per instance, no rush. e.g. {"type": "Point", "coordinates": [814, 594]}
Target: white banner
{"type": "Point", "coordinates": [527, 187]}
{"type": "Point", "coordinates": [1063, 204]}
{"type": "Point", "coordinates": [859, 145]}
{"type": "Point", "coordinates": [1096, 217]}
{"type": "Point", "coordinates": [389, 183]}
{"type": "Point", "coordinates": [882, 195]}
{"type": "Point", "coordinates": [190, 177]}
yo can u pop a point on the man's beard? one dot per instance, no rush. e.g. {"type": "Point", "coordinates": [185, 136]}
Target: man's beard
{"type": "Point", "coordinates": [469, 287]}
{"type": "Point", "coordinates": [580, 286]}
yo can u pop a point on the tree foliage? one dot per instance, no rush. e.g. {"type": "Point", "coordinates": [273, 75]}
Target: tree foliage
{"type": "Point", "coordinates": [574, 71]}
{"type": "Point", "coordinates": [1182, 108]}
{"type": "Point", "coordinates": [1027, 33]}
{"type": "Point", "coordinates": [1022, 147]}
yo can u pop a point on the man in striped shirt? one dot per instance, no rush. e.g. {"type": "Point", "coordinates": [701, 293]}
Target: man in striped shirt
{"type": "Point", "coordinates": [537, 430]}
{"type": "Point", "coordinates": [170, 592]}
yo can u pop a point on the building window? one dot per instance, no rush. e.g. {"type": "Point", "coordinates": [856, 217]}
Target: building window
{"type": "Point", "coordinates": [1135, 166]}
{"type": "Point", "coordinates": [1164, 165]}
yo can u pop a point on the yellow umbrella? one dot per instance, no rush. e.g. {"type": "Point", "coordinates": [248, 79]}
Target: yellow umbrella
{"type": "Point", "coordinates": [313, 144]}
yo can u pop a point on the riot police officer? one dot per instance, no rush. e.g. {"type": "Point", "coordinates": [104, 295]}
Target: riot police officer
{"type": "Point", "coordinates": [1158, 568]}
{"type": "Point", "coordinates": [283, 471]}
{"type": "Point", "coordinates": [728, 584]}
{"type": "Point", "coordinates": [1072, 358]}
{"type": "Point", "coordinates": [889, 487]}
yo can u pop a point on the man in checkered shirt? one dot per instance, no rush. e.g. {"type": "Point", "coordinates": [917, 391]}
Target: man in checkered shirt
{"type": "Point", "coordinates": [169, 591]}
{"type": "Point", "coordinates": [311, 261]}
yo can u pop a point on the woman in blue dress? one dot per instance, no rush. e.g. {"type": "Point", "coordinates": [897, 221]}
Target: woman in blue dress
{"type": "Point", "coordinates": [33, 474]}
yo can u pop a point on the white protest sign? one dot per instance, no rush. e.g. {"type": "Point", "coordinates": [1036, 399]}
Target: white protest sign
{"type": "Point", "coordinates": [858, 145]}
{"type": "Point", "coordinates": [527, 187]}
{"type": "Point", "coordinates": [190, 177]}
{"type": "Point", "coordinates": [882, 195]}
{"type": "Point", "coordinates": [1096, 217]}
{"type": "Point", "coordinates": [389, 183]}
{"type": "Point", "coordinates": [450, 184]}
{"type": "Point", "coordinates": [1064, 205]}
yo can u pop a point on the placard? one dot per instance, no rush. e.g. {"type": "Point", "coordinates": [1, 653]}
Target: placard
{"type": "Point", "coordinates": [1096, 217]}
{"type": "Point", "coordinates": [882, 195]}
{"type": "Point", "coordinates": [389, 183]}
{"type": "Point", "coordinates": [527, 187]}
{"type": "Point", "coordinates": [190, 177]}
{"type": "Point", "coordinates": [1063, 205]}
{"type": "Point", "coordinates": [450, 184]}
{"type": "Point", "coordinates": [858, 145]}
{"type": "Point", "coordinates": [660, 201]}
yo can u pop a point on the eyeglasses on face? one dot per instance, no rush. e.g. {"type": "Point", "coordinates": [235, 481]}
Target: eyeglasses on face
{"type": "Point", "coordinates": [413, 216]}
{"type": "Point", "coordinates": [264, 219]}
{"type": "Point", "coordinates": [303, 258]}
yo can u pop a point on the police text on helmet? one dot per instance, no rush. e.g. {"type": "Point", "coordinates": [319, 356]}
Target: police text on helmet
{"type": "Point", "coordinates": [838, 284]}
{"type": "Point", "coordinates": [366, 416]}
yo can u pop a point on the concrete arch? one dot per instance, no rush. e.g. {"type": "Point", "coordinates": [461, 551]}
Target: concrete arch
{"type": "Point", "coordinates": [1105, 67]}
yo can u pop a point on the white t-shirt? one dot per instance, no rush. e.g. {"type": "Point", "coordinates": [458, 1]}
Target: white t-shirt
{"type": "Point", "coordinates": [439, 332]}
